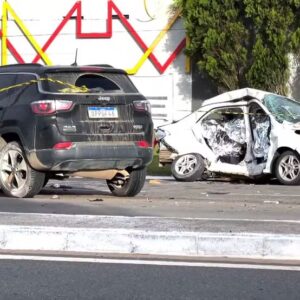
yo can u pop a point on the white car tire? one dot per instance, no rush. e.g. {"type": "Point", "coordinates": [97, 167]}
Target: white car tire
{"type": "Point", "coordinates": [287, 168]}
{"type": "Point", "coordinates": [188, 167]}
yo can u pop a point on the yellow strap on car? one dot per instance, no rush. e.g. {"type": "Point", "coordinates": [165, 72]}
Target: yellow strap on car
{"type": "Point", "coordinates": [69, 87]}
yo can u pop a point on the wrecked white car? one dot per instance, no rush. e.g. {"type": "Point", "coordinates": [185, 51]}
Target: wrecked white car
{"type": "Point", "coordinates": [244, 132]}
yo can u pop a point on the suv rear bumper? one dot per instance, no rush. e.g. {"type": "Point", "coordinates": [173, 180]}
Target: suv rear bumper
{"type": "Point", "coordinates": [91, 156]}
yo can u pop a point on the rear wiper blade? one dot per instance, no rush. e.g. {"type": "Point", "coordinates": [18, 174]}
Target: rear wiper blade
{"type": "Point", "coordinates": [96, 89]}
{"type": "Point", "coordinates": [101, 90]}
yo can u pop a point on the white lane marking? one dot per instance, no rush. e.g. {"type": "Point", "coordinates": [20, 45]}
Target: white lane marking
{"type": "Point", "coordinates": [149, 262]}
{"type": "Point", "coordinates": [74, 216]}
{"type": "Point", "coordinates": [160, 178]}
{"type": "Point", "coordinates": [254, 194]}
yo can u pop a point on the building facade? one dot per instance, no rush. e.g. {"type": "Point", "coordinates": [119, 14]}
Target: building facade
{"type": "Point", "coordinates": [144, 37]}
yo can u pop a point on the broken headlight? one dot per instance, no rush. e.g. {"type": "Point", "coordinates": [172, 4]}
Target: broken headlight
{"type": "Point", "coordinates": [160, 134]}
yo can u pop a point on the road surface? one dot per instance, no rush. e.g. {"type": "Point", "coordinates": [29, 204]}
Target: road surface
{"type": "Point", "coordinates": [81, 278]}
{"type": "Point", "coordinates": [165, 198]}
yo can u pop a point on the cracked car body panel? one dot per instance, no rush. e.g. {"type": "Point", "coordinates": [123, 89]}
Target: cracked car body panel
{"type": "Point", "coordinates": [240, 132]}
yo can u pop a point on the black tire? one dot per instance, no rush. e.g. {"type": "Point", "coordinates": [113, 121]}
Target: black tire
{"type": "Point", "coordinates": [127, 187]}
{"type": "Point", "coordinates": [287, 168]}
{"type": "Point", "coordinates": [188, 167]}
{"type": "Point", "coordinates": [17, 178]}
{"type": "Point", "coordinates": [46, 181]}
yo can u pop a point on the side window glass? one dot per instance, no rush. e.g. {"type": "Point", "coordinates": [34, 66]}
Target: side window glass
{"type": "Point", "coordinates": [224, 132]}
{"type": "Point", "coordinates": [261, 127]}
{"type": "Point", "coordinates": [6, 81]}
{"type": "Point", "coordinates": [26, 80]}
{"type": "Point", "coordinates": [27, 86]}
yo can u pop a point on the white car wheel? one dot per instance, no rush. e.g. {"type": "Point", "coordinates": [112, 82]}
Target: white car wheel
{"type": "Point", "coordinates": [188, 167]}
{"type": "Point", "coordinates": [287, 169]}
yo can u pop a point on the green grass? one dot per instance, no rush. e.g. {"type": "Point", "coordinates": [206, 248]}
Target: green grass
{"type": "Point", "coordinates": [154, 169]}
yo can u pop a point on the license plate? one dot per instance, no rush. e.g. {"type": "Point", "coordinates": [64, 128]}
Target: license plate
{"type": "Point", "coordinates": [96, 112]}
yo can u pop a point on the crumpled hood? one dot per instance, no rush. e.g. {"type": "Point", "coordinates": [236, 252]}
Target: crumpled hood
{"type": "Point", "coordinates": [291, 126]}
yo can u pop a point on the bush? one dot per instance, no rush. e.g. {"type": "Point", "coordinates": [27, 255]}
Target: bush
{"type": "Point", "coordinates": [243, 43]}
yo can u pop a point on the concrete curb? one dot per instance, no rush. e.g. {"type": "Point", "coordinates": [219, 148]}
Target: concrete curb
{"type": "Point", "coordinates": [129, 236]}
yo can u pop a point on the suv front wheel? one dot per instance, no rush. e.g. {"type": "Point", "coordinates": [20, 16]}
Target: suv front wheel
{"type": "Point", "coordinates": [17, 178]}
{"type": "Point", "coordinates": [123, 186]}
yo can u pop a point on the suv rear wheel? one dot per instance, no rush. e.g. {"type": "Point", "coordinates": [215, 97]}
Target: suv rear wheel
{"type": "Point", "coordinates": [123, 186]}
{"type": "Point", "coordinates": [17, 178]}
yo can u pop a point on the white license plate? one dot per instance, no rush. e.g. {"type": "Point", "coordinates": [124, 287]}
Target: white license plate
{"type": "Point", "coordinates": [96, 112]}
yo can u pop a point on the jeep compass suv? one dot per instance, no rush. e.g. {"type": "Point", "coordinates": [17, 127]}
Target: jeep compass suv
{"type": "Point", "coordinates": [63, 121]}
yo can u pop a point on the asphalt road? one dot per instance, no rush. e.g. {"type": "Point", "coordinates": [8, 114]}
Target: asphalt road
{"type": "Point", "coordinates": [26, 279]}
{"type": "Point", "coordinates": [165, 198]}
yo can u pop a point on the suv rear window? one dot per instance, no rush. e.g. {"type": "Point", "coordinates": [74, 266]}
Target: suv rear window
{"type": "Point", "coordinates": [87, 83]}
{"type": "Point", "coordinates": [96, 83]}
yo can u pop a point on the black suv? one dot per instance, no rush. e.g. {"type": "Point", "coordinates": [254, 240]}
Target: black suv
{"type": "Point", "coordinates": [62, 121]}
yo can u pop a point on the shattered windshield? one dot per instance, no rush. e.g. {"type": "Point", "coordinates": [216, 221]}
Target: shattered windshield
{"type": "Point", "coordinates": [282, 108]}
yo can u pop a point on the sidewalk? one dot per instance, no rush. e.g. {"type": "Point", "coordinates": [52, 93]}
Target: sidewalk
{"type": "Point", "coordinates": [146, 235]}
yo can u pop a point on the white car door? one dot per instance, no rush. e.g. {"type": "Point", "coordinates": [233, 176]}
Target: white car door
{"type": "Point", "coordinates": [261, 146]}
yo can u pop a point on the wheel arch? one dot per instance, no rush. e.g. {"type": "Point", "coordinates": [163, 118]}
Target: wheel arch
{"type": "Point", "coordinates": [10, 134]}
{"type": "Point", "coordinates": [11, 137]}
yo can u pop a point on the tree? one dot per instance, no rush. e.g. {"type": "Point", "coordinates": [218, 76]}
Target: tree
{"type": "Point", "coordinates": [243, 43]}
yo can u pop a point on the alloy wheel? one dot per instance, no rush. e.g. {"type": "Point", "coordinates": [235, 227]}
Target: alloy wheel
{"type": "Point", "coordinates": [186, 164]}
{"type": "Point", "coordinates": [14, 170]}
{"type": "Point", "coordinates": [289, 167]}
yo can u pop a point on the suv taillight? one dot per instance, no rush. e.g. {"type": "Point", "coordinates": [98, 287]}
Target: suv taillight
{"type": "Point", "coordinates": [142, 105]}
{"type": "Point", "coordinates": [143, 144]}
{"type": "Point", "coordinates": [49, 107]}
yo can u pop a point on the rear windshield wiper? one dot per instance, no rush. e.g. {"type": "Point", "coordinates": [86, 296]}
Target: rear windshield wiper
{"type": "Point", "coordinates": [101, 90]}
{"type": "Point", "coordinates": [96, 89]}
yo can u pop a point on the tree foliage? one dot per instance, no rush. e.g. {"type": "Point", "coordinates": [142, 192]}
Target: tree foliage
{"type": "Point", "coordinates": [243, 43]}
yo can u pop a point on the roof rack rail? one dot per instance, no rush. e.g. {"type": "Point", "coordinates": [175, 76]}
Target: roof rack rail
{"type": "Point", "coordinates": [102, 65]}
{"type": "Point", "coordinates": [22, 65]}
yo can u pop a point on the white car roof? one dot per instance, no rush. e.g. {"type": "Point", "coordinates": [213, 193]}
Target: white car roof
{"type": "Point", "coordinates": [222, 98]}
{"type": "Point", "coordinates": [236, 94]}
